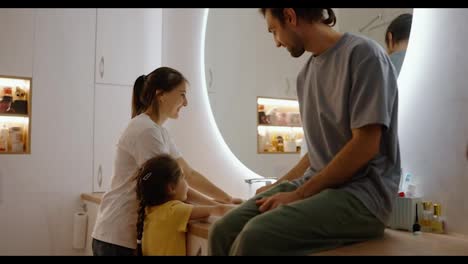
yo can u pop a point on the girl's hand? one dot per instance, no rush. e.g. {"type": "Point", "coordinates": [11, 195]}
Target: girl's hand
{"type": "Point", "coordinates": [236, 200]}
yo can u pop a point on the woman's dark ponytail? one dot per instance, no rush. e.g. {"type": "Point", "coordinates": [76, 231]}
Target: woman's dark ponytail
{"type": "Point", "coordinates": [137, 106]}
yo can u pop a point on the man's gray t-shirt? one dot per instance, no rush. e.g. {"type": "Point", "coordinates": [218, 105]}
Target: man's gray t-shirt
{"type": "Point", "coordinates": [397, 59]}
{"type": "Point", "coordinates": [350, 85]}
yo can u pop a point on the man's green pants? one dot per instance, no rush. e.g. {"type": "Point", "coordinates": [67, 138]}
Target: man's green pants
{"type": "Point", "coordinates": [324, 221]}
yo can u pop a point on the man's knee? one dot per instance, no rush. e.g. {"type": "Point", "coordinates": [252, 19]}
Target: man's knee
{"type": "Point", "coordinates": [220, 228]}
{"type": "Point", "coordinates": [215, 229]}
{"type": "Point", "coordinates": [251, 239]}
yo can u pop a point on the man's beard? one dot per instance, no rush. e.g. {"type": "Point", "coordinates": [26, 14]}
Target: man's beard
{"type": "Point", "coordinates": [297, 52]}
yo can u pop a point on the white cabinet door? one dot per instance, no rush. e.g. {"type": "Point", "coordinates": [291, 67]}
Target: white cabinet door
{"type": "Point", "coordinates": [128, 44]}
{"type": "Point", "coordinates": [62, 99]}
{"type": "Point", "coordinates": [196, 246]}
{"type": "Point", "coordinates": [112, 112]}
{"type": "Point", "coordinates": [16, 45]}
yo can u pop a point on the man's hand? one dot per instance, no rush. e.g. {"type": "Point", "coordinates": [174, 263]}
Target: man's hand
{"type": "Point", "coordinates": [269, 203]}
{"type": "Point", "coordinates": [263, 188]}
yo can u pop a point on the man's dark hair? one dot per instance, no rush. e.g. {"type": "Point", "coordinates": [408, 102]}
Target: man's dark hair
{"type": "Point", "coordinates": [400, 28]}
{"type": "Point", "coordinates": [308, 14]}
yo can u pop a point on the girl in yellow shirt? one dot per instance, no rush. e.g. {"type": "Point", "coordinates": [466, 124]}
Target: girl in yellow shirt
{"type": "Point", "coordinates": [162, 214]}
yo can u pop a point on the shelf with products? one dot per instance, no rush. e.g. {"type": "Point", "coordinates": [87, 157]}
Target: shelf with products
{"type": "Point", "coordinates": [15, 114]}
{"type": "Point", "coordinates": [279, 127]}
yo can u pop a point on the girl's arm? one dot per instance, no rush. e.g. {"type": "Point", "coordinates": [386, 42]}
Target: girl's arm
{"type": "Point", "coordinates": [204, 211]}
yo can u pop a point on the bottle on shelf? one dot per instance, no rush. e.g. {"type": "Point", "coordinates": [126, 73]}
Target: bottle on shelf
{"type": "Point", "coordinates": [280, 144]}
{"type": "Point", "coordinates": [16, 139]}
{"type": "Point", "coordinates": [4, 138]}
{"type": "Point", "coordinates": [274, 142]}
{"type": "Point", "coordinates": [289, 144]}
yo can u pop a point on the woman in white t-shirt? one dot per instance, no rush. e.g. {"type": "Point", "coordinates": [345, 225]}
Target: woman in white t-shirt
{"type": "Point", "coordinates": [156, 97]}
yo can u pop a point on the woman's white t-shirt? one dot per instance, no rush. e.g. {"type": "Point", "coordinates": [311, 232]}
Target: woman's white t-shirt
{"type": "Point", "coordinates": [117, 215]}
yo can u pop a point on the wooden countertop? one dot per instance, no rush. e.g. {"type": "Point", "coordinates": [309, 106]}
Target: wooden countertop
{"type": "Point", "coordinates": [92, 197]}
{"type": "Point", "coordinates": [402, 243]}
{"type": "Point", "coordinates": [394, 242]}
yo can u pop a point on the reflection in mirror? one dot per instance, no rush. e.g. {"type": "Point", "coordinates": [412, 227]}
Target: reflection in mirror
{"type": "Point", "coordinates": [390, 27]}
{"type": "Point", "coordinates": [243, 64]}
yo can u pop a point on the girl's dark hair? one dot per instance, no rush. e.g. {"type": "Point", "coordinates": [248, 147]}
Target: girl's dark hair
{"type": "Point", "coordinates": [145, 87]}
{"type": "Point", "coordinates": [152, 181]}
{"type": "Point", "coordinates": [308, 14]}
{"type": "Point", "coordinates": [400, 28]}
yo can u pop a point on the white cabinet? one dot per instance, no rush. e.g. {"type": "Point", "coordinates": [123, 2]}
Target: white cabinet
{"type": "Point", "coordinates": [17, 42]}
{"type": "Point", "coordinates": [128, 44]}
{"type": "Point", "coordinates": [196, 246]}
{"type": "Point", "coordinates": [62, 98]}
{"type": "Point", "coordinates": [112, 112]}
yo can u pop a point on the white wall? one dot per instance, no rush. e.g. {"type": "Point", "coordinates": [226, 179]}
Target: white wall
{"type": "Point", "coordinates": [195, 132]}
{"type": "Point", "coordinates": [39, 192]}
{"type": "Point", "coordinates": [433, 125]}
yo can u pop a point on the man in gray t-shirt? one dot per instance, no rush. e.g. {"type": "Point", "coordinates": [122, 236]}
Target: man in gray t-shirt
{"type": "Point", "coordinates": [343, 190]}
{"type": "Point", "coordinates": [350, 86]}
{"type": "Point", "coordinates": [397, 37]}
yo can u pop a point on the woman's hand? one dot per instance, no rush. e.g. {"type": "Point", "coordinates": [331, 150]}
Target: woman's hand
{"type": "Point", "coordinates": [269, 203]}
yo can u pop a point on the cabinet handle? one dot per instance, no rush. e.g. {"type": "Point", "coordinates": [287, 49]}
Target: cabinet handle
{"type": "Point", "coordinates": [101, 67]}
{"type": "Point", "coordinates": [99, 176]}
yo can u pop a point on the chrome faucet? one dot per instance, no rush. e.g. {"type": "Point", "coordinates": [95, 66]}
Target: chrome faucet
{"type": "Point", "coordinates": [266, 180]}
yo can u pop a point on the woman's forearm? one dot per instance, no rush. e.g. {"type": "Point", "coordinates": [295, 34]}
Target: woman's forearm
{"type": "Point", "coordinates": [203, 185]}
{"type": "Point", "coordinates": [195, 197]}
